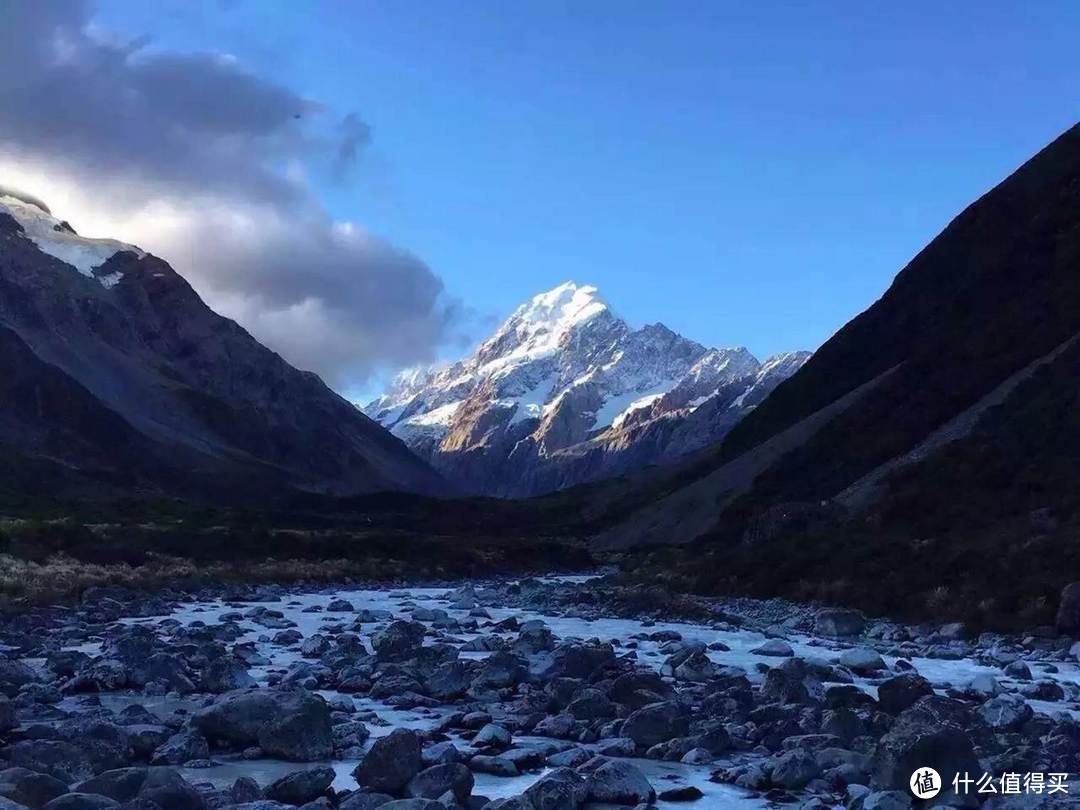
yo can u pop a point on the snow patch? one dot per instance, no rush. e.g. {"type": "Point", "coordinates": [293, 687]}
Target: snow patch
{"type": "Point", "coordinates": [55, 238]}
{"type": "Point", "coordinates": [435, 422]}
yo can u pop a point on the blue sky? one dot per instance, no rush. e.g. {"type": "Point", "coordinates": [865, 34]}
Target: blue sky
{"type": "Point", "coordinates": [745, 173]}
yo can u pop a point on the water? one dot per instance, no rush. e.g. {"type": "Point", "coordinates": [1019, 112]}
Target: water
{"type": "Point", "coordinates": [400, 602]}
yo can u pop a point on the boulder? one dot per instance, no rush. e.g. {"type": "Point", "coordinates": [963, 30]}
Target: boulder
{"type": "Point", "coordinates": [862, 661]}
{"type": "Point", "coordinates": [493, 737]}
{"type": "Point", "coordinates": [560, 789]}
{"type": "Point", "coordinates": [792, 682]}
{"type": "Point", "coordinates": [499, 670]}
{"type": "Point", "coordinates": [392, 761]}
{"type": "Point", "coordinates": [398, 641]}
{"type": "Point", "coordinates": [591, 704]}
{"type": "Point", "coordinates": [226, 674]}
{"type": "Point", "coordinates": [293, 725]}
{"type": "Point", "coordinates": [685, 793]}
{"type": "Point", "coordinates": [59, 759]}
{"type": "Point", "coordinates": [449, 681]}
{"type": "Point", "coordinates": [793, 770]}
{"type": "Point", "coordinates": [935, 733]}
{"type": "Point", "coordinates": [14, 675]}
{"type": "Point", "coordinates": [576, 660]}
{"type": "Point", "coordinates": [637, 689]}
{"type": "Point", "coordinates": [33, 790]}
{"type": "Point", "coordinates": [180, 748]}
{"type": "Point", "coordinates": [697, 668]}
{"type": "Point", "coordinates": [619, 782]}
{"type": "Point", "coordinates": [496, 766]}
{"type": "Point", "coordinates": [839, 622]}
{"type": "Point", "coordinates": [438, 780]}
{"type": "Point", "coordinates": [121, 784]}
{"type": "Point", "coordinates": [902, 691]}
{"type": "Point", "coordinates": [656, 723]}
{"type": "Point", "coordinates": [1006, 712]}
{"type": "Point", "coordinates": [301, 787]}
{"type": "Point", "coordinates": [775, 648]}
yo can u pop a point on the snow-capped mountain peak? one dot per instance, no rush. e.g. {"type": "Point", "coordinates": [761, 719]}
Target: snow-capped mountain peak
{"type": "Point", "coordinates": [59, 239]}
{"type": "Point", "coordinates": [561, 372]}
{"type": "Point", "coordinates": [539, 327]}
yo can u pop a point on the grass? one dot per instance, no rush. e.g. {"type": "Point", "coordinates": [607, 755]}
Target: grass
{"type": "Point", "coordinates": [44, 561]}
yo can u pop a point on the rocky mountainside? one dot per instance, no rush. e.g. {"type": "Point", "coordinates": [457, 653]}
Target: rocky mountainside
{"type": "Point", "coordinates": [932, 443]}
{"type": "Point", "coordinates": [565, 391]}
{"type": "Point", "coordinates": [115, 374]}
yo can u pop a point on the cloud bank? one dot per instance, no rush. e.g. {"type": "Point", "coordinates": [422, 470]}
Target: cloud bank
{"type": "Point", "coordinates": [202, 162]}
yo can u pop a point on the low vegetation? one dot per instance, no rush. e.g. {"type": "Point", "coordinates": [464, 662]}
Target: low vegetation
{"type": "Point", "coordinates": [43, 561]}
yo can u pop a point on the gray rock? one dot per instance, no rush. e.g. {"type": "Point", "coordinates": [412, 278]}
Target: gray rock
{"type": "Point", "coordinates": [696, 669]}
{"type": "Point", "coordinates": [862, 661]}
{"type": "Point", "coordinates": [685, 793]}
{"type": "Point", "coordinates": [437, 780]}
{"type": "Point", "coordinates": [839, 622]}
{"type": "Point", "coordinates": [449, 681]}
{"type": "Point", "coordinates": [1006, 712]}
{"type": "Point", "coordinates": [792, 682]}
{"type": "Point", "coordinates": [619, 782]}
{"type": "Point", "coordinates": [591, 704]}
{"type": "Point", "coordinates": [656, 723]}
{"type": "Point", "coordinates": [180, 748]}
{"type": "Point", "coordinates": [390, 764]}
{"type": "Point", "coordinates": [292, 725]}
{"type": "Point", "coordinates": [33, 790]}
{"type": "Point", "coordinates": [245, 789]}
{"type": "Point", "coordinates": [398, 641]}
{"type": "Point", "coordinates": [121, 784]}
{"type": "Point", "coordinates": [59, 759]}
{"type": "Point", "coordinates": [794, 770]}
{"type": "Point", "coordinates": [226, 674]}
{"type": "Point", "coordinates": [561, 789]}
{"type": "Point", "coordinates": [775, 648]}
{"type": "Point", "coordinates": [301, 787]}
{"type": "Point", "coordinates": [935, 733]}
{"type": "Point", "coordinates": [902, 691]}
{"type": "Point", "coordinates": [494, 737]}
{"type": "Point", "coordinates": [496, 766]}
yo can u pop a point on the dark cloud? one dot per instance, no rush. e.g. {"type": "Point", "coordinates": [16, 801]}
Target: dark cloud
{"type": "Point", "coordinates": [225, 153]}
{"type": "Point", "coordinates": [355, 135]}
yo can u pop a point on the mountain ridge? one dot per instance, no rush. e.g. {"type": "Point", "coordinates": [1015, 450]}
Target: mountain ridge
{"type": "Point", "coordinates": [210, 408]}
{"type": "Point", "coordinates": [565, 391]}
{"type": "Point", "coordinates": [968, 328]}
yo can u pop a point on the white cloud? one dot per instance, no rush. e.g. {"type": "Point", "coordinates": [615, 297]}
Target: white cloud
{"type": "Point", "coordinates": [207, 165]}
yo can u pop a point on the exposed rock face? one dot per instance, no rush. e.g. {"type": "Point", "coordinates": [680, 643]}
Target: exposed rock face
{"type": "Point", "coordinates": [112, 367]}
{"type": "Point", "coordinates": [565, 392]}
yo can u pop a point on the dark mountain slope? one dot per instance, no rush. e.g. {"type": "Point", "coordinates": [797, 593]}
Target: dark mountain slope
{"type": "Point", "coordinates": [996, 290]}
{"type": "Point", "coordinates": [121, 371]}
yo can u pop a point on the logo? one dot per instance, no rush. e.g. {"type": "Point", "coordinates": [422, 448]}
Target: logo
{"type": "Point", "coordinates": [925, 783]}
